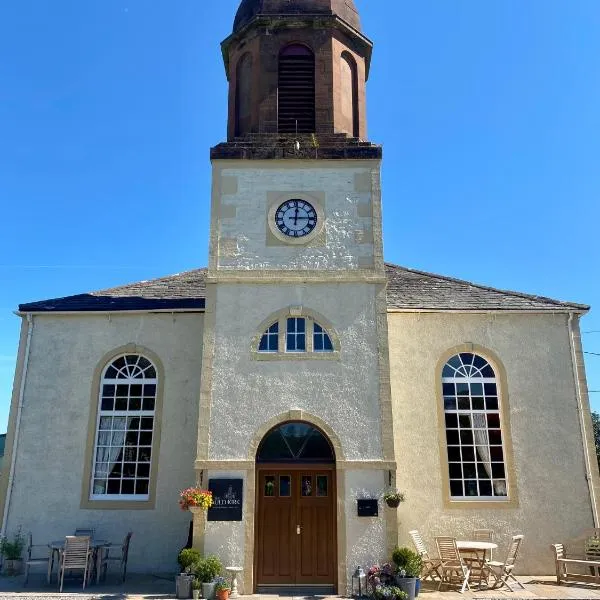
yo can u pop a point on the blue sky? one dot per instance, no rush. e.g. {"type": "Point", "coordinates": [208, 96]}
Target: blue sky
{"type": "Point", "coordinates": [488, 112]}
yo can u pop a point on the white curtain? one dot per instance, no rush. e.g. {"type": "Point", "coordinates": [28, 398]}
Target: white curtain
{"type": "Point", "coordinates": [482, 441]}
{"type": "Point", "coordinates": [113, 443]}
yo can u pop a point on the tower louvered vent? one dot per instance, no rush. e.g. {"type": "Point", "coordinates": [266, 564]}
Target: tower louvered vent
{"type": "Point", "coordinates": [296, 90]}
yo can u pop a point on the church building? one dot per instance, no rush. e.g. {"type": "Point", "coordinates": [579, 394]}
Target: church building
{"type": "Point", "coordinates": [300, 376]}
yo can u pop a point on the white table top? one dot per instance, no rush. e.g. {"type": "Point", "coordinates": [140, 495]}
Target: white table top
{"type": "Point", "coordinates": [468, 545]}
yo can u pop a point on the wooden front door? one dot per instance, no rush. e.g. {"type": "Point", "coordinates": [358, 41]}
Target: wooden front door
{"type": "Point", "coordinates": [295, 526]}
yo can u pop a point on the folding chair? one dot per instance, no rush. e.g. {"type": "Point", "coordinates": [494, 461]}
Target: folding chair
{"type": "Point", "coordinates": [76, 556]}
{"type": "Point", "coordinates": [452, 563]}
{"type": "Point", "coordinates": [502, 571]}
{"type": "Point", "coordinates": [484, 535]}
{"type": "Point", "coordinates": [31, 561]}
{"type": "Point", "coordinates": [431, 566]}
{"type": "Point", "coordinates": [121, 559]}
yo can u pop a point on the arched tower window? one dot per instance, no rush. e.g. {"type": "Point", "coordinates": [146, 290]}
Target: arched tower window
{"type": "Point", "coordinates": [243, 94]}
{"type": "Point", "coordinates": [125, 429]}
{"type": "Point", "coordinates": [296, 90]}
{"type": "Point", "coordinates": [475, 445]}
{"type": "Point", "coordinates": [349, 84]}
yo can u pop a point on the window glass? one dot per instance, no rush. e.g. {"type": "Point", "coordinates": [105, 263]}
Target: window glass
{"type": "Point", "coordinates": [473, 429]}
{"type": "Point", "coordinates": [321, 340]}
{"type": "Point", "coordinates": [124, 436]}
{"type": "Point", "coordinates": [270, 340]}
{"type": "Point", "coordinates": [296, 335]}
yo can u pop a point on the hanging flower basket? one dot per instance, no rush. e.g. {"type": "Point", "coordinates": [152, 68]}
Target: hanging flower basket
{"type": "Point", "coordinates": [393, 498]}
{"type": "Point", "coordinates": [195, 498]}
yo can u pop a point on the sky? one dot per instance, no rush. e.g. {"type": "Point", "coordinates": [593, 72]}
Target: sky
{"type": "Point", "coordinates": [488, 113]}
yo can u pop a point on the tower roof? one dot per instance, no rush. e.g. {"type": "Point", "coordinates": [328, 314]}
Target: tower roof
{"type": "Point", "coordinates": [344, 9]}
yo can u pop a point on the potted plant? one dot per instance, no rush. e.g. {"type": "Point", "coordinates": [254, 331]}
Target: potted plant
{"type": "Point", "coordinates": [393, 498]}
{"type": "Point", "coordinates": [389, 592]}
{"type": "Point", "coordinates": [12, 552]}
{"type": "Point", "coordinates": [409, 566]}
{"type": "Point", "coordinates": [222, 588]}
{"type": "Point", "coordinates": [207, 569]}
{"type": "Point", "coordinates": [196, 587]}
{"type": "Point", "coordinates": [195, 497]}
{"type": "Point", "coordinates": [187, 559]}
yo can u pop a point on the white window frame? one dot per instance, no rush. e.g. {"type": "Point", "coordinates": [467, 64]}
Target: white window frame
{"type": "Point", "coordinates": [127, 414]}
{"type": "Point", "coordinates": [475, 377]}
{"type": "Point", "coordinates": [310, 321]}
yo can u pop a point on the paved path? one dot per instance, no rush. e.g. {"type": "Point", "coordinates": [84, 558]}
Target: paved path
{"type": "Point", "coordinates": [149, 587]}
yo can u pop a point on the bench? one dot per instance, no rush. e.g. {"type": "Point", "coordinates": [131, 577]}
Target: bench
{"type": "Point", "coordinates": [590, 562]}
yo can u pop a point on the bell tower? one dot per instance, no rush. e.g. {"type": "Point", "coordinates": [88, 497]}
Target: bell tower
{"type": "Point", "coordinates": [295, 330]}
{"type": "Point", "coordinates": [297, 66]}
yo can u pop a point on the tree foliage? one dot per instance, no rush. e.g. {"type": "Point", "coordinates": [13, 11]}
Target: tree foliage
{"type": "Point", "coordinates": [596, 425]}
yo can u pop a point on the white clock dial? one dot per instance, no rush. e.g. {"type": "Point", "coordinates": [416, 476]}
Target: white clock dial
{"type": "Point", "coordinates": [296, 218]}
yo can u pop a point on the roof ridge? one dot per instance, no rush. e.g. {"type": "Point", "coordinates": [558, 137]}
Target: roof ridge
{"type": "Point", "coordinates": [490, 288]}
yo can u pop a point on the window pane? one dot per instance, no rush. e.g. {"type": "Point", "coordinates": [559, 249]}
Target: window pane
{"type": "Point", "coordinates": [285, 486]}
{"type": "Point", "coordinates": [307, 489]}
{"type": "Point", "coordinates": [322, 486]}
{"type": "Point", "coordinates": [270, 485]}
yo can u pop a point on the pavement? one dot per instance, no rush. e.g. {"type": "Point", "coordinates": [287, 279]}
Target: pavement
{"type": "Point", "coordinates": [162, 587]}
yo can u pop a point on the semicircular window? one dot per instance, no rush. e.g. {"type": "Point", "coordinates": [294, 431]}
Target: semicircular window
{"type": "Point", "coordinates": [295, 442]}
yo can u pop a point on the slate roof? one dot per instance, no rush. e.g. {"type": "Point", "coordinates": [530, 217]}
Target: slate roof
{"type": "Point", "coordinates": [408, 289]}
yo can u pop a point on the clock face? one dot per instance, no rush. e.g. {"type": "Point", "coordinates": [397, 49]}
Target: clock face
{"type": "Point", "coordinates": [296, 218]}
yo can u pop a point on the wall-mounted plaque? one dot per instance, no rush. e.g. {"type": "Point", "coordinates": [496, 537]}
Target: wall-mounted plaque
{"type": "Point", "coordinates": [227, 499]}
{"type": "Point", "coordinates": [367, 507]}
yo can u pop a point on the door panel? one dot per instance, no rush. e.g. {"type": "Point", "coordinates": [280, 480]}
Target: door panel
{"type": "Point", "coordinates": [288, 499]}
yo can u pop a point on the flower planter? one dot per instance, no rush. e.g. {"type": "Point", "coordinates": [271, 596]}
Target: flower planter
{"type": "Point", "coordinates": [223, 594]}
{"type": "Point", "coordinates": [13, 566]}
{"type": "Point", "coordinates": [393, 502]}
{"type": "Point", "coordinates": [195, 594]}
{"type": "Point", "coordinates": [407, 584]}
{"type": "Point", "coordinates": [183, 586]}
{"type": "Point", "coordinates": [208, 591]}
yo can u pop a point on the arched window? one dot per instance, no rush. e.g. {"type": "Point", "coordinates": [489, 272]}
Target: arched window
{"type": "Point", "coordinates": [476, 454]}
{"type": "Point", "coordinates": [349, 93]}
{"type": "Point", "coordinates": [243, 94]}
{"type": "Point", "coordinates": [296, 90]}
{"type": "Point", "coordinates": [125, 428]}
{"type": "Point", "coordinates": [295, 442]}
{"type": "Point", "coordinates": [297, 335]}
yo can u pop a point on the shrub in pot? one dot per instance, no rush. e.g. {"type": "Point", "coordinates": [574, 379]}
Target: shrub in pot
{"type": "Point", "coordinates": [12, 550]}
{"type": "Point", "coordinates": [409, 565]}
{"type": "Point", "coordinates": [196, 587]}
{"type": "Point", "coordinates": [187, 558]}
{"type": "Point", "coordinates": [207, 569]}
{"type": "Point", "coordinates": [393, 498]}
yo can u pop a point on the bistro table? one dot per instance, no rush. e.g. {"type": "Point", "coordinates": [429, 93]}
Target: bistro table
{"type": "Point", "coordinates": [96, 546]}
{"type": "Point", "coordinates": [475, 553]}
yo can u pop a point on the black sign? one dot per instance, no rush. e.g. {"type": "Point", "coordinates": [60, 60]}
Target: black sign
{"type": "Point", "coordinates": [227, 499]}
{"type": "Point", "coordinates": [367, 508]}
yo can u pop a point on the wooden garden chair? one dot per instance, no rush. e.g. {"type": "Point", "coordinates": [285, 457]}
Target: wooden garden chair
{"type": "Point", "coordinates": [502, 571]}
{"type": "Point", "coordinates": [484, 535]}
{"type": "Point", "coordinates": [431, 566]}
{"type": "Point", "coordinates": [120, 558]}
{"type": "Point", "coordinates": [76, 556]}
{"type": "Point", "coordinates": [452, 565]}
{"type": "Point", "coordinates": [31, 561]}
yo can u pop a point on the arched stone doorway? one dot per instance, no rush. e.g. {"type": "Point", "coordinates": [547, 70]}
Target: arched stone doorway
{"type": "Point", "coordinates": [295, 526]}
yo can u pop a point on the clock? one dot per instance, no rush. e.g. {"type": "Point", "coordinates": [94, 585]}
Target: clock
{"type": "Point", "coordinates": [296, 218]}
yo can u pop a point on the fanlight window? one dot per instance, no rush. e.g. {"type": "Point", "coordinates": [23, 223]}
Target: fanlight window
{"type": "Point", "coordinates": [125, 429]}
{"type": "Point", "coordinates": [476, 455]}
{"type": "Point", "coordinates": [295, 442]}
{"type": "Point", "coordinates": [298, 335]}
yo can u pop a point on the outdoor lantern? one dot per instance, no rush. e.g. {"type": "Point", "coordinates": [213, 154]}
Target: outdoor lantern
{"type": "Point", "coordinates": [359, 583]}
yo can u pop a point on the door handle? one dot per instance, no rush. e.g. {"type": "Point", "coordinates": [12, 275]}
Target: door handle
{"type": "Point", "coordinates": [298, 529]}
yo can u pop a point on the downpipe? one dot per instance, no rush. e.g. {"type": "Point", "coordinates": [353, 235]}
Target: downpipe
{"type": "Point", "coordinates": [579, 395]}
{"type": "Point", "coordinates": [13, 461]}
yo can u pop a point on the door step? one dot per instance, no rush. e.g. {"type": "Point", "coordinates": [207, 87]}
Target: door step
{"type": "Point", "coordinates": [296, 590]}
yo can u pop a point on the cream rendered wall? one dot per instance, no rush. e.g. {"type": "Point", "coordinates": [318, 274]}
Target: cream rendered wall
{"type": "Point", "coordinates": [65, 351]}
{"type": "Point", "coordinates": [553, 497]}
{"type": "Point", "coordinates": [343, 189]}
{"type": "Point", "coordinates": [247, 393]}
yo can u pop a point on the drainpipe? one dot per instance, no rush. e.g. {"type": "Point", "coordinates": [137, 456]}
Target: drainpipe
{"type": "Point", "coordinates": [580, 392]}
{"type": "Point", "coordinates": [11, 474]}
